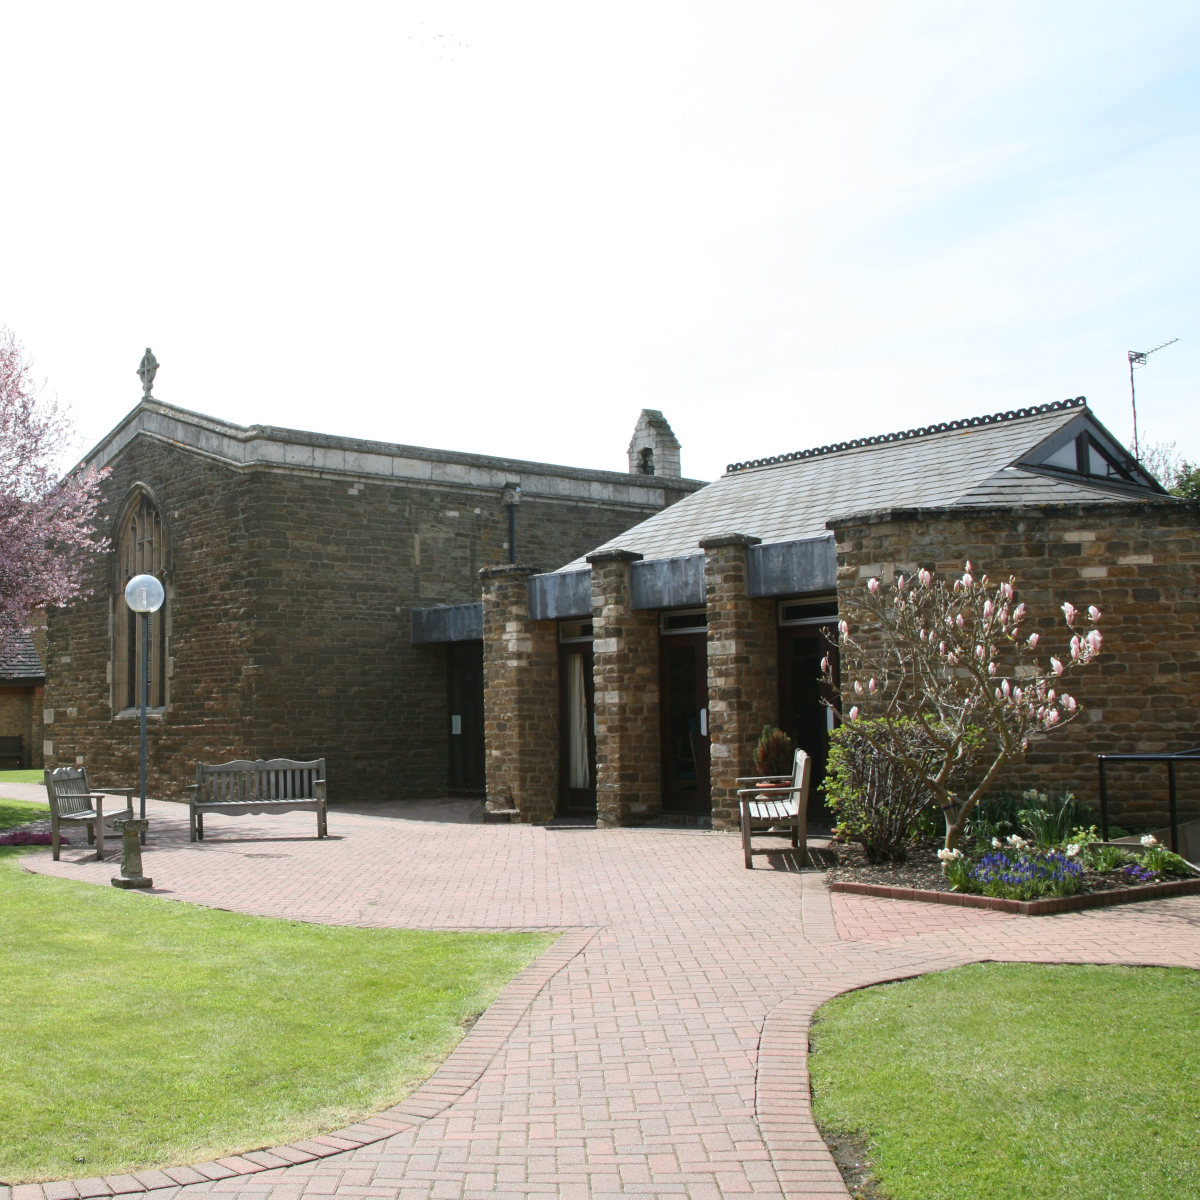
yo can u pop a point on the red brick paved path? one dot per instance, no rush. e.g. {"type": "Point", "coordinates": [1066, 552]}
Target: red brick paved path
{"type": "Point", "coordinates": [658, 1051]}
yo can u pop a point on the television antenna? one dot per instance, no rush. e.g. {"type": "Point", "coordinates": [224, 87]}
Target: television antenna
{"type": "Point", "coordinates": [1137, 358]}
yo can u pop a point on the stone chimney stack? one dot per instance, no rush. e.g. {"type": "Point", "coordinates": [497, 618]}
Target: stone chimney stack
{"type": "Point", "coordinates": [654, 449]}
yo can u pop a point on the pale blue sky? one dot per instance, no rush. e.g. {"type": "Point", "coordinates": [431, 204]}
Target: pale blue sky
{"type": "Point", "coordinates": [507, 227]}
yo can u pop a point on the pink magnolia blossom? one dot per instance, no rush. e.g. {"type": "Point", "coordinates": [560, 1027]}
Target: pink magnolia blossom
{"type": "Point", "coordinates": [873, 586]}
{"type": "Point", "coordinates": [1057, 666]}
{"type": "Point", "coordinates": [988, 610]}
{"type": "Point", "coordinates": [1019, 613]}
{"type": "Point", "coordinates": [1093, 613]}
{"type": "Point", "coordinates": [925, 577]}
{"type": "Point", "coordinates": [1095, 639]}
{"type": "Point", "coordinates": [1069, 612]}
{"type": "Point", "coordinates": [852, 715]}
{"type": "Point", "coordinates": [47, 524]}
{"type": "Point", "coordinates": [1032, 641]}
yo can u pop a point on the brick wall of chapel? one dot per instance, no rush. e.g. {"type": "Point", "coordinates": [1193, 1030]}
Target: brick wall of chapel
{"type": "Point", "coordinates": [1138, 562]}
{"type": "Point", "coordinates": [289, 604]}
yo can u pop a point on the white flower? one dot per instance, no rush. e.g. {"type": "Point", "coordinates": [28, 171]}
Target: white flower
{"type": "Point", "coordinates": [997, 844]}
{"type": "Point", "coordinates": [1073, 850]}
{"type": "Point", "coordinates": [949, 855]}
{"type": "Point", "coordinates": [1016, 842]}
{"type": "Point", "coordinates": [1149, 840]}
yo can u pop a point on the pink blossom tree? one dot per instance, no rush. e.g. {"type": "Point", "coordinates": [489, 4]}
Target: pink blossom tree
{"type": "Point", "coordinates": [955, 662]}
{"type": "Point", "coordinates": [47, 529]}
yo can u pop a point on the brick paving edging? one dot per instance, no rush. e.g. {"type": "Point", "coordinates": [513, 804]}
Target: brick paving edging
{"type": "Point", "coordinates": [1026, 908]}
{"type": "Point", "coordinates": [466, 1063]}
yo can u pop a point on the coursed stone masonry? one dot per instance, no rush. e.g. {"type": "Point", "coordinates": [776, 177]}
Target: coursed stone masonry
{"type": "Point", "coordinates": [520, 697]}
{"type": "Point", "coordinates": [1138, 562]}
{"type": "Point", "coordinates": [743, 669]}
{"type": "Point", "coordinates": [626, 674]}
{"type": "Point", "coordinates": [294, 562]}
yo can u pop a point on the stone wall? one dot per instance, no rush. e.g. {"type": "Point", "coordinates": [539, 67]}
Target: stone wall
{"type": "Point", "coordinates": [21, 716]}
{"type": "Point", "coordinates": [1138, 562]}
{"type": "Point", "coordinates": [520, 698]}
{"type": "Point", "coordinates": [288, 611]}
{"type": "Point", "coordinates": [743, 671]}
{"type": "Point", "coordinates": [626, 675]}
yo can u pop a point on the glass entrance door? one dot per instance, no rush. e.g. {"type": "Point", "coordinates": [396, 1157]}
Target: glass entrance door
{"type": "Point", "coordinates": [464, 675]}
{"type": "Point", "coordinates": [685, 762]}
{"type": "Point", "coordinates": [577, 732]}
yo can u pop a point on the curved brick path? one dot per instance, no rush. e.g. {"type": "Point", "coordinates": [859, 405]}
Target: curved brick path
{"type": "Point", "coordinates": [659, 1050]}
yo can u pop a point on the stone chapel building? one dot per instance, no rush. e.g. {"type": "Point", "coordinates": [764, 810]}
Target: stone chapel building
{"type": "Point", "coordinates": [293, 563]}
{"type": "Point", "coordinates": [631, 684]}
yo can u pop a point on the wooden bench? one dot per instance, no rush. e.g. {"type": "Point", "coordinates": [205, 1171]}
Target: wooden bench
{"type": "Point", "coordinates": [73, 802]}
{"type": "Point", "coordinates": [12, 752]}
{"type": "Point", "coordinates": [262, 786]}
{"type": "Point", "coordinates": [777, 804]}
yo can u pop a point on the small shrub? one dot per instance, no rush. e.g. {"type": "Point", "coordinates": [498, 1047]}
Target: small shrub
{"type": "Point", "coordinates": [1106, 858]}
{"type": "Point", "coordinates": [1049, 824]}
{"type": "Point", "coordinates": [775, 753]}
{"type": "Point", "coordinates": [1160, 861]}
{"type": "Point", "coordinates": [878, 803]}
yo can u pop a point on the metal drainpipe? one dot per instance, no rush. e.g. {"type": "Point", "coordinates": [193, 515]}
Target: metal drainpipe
{"type": "Point", "coordinates": [511, 498]}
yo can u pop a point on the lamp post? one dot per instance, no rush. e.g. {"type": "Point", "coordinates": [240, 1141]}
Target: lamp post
{"type": "Point", "coordinates": [144, 594]}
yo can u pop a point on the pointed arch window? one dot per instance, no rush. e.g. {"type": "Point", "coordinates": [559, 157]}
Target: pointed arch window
{"type": "Point", "coordinates": [141, 550]}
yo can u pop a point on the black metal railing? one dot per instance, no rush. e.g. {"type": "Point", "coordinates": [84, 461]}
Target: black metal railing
{"type": "Point", "coordinates": [1173, 807]}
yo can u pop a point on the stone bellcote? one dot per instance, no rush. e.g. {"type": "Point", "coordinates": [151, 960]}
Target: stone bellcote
{"type": "Point", "coordinates": [654, 449]}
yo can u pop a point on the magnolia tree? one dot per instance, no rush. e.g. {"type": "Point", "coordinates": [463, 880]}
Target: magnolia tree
{"type": "Point", "coordinates": [950, 675]}
{"type": "Point", "coordinates": [46, 522]}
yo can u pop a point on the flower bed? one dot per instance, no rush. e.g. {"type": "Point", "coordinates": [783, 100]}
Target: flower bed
{"type": "Point", "coordinates": [1015, 877]}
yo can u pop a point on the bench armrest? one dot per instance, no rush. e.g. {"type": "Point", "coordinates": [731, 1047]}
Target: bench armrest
{"type": "Point", "coordinates": [772, 793]}
{"type": "Point", "coordinates": [763, 779]}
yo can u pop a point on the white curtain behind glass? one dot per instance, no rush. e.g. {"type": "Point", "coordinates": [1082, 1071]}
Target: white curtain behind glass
{"type": "Point", "coordinates": [578, 767]}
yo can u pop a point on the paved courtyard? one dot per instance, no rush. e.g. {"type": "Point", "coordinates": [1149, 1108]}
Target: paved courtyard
{"type": "Point", "coordinates": [658, 1050]}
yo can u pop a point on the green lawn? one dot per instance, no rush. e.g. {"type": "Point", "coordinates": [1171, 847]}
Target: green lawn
{"type": "Point", "coordinates": [140, 1032]}
{"type": "Point", "coordinates": [1017, 1081]}
{"type": "Point", "coordinates": [20, 812]}
{"type": "Point", "coordinates": [21, 777]}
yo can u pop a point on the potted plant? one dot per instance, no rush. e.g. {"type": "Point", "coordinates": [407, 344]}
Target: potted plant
{"type": "Point", "coordinates": [774, 754]}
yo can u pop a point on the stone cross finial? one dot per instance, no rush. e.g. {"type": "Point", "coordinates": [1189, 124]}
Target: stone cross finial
{"type": "Point", "coordinates": [146, 372]}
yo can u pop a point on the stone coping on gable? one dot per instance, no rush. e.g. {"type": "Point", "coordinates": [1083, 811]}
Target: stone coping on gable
{"type": "Point", "coordinates": [267, 447]}
{"type": "Point", "coordinates": [1111, 510]}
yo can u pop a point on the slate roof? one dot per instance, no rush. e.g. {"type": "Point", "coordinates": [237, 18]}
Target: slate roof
{"type": "Point", "coordinates": [19, 659]}
{"type": "Point", "coordinates": [968, 462]}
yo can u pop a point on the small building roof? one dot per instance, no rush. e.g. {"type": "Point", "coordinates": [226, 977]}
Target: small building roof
{"type": "Point", "coordinates": [19, 659]}
{"type": "Point", "coordinates": [1051, 453]}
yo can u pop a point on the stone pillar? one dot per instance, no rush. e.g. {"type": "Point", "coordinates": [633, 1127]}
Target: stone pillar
{"type": "Point", "coordinates": [520, 697]}
{"type": "Point", "coordinates": [625, 671]}
{"type": "Point", "coordinates": [743, 669]}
